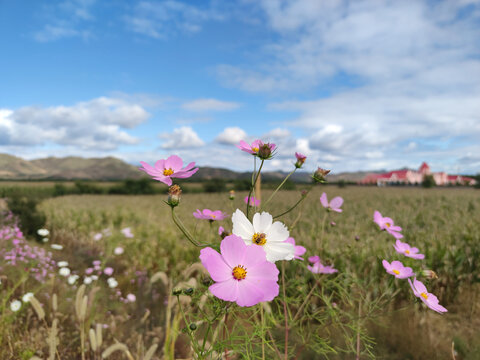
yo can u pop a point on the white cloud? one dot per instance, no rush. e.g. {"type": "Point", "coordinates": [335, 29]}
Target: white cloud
{"type": "Point", "coordinates": [67, 19]}
{"type": "Point", "coordinates": [277, 133]}
{"type": "Point", "coordinates": [182, 138]}
{"type": "Point", "coordinates": [231, 135]}
{"type": "Point", "coordinates": [162, 19]}
{"type": "Point", "coordinates": [95, 124]}
{"type": "Point", "coordinates": [210, 105]}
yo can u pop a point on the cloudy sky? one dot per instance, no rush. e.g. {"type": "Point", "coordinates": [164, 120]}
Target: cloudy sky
{"type": "Point", "coordinates": [355, 85]}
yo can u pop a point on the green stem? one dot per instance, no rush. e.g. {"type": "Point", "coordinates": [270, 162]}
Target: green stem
{"type": "Point", "coordinates": [285, 312]}
{"type": "Point", "coordinates": [278, 188]}
{"type": "Point", "coordinates": [293, 207]}
{"type": "Point", "coordinates": [185, 232]}
{"type": "Point", "coordinates": [304, 303]}
{"type": "Point", "coordinates": [323, 231]}
{"type": "Point", "coordinates": [187, 326]}
{"type": "Point", "coordinates": [253, 186]}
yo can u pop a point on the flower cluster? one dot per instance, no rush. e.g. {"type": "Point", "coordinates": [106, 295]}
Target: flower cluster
{"type": "Point", "coordinates": [397, 269]}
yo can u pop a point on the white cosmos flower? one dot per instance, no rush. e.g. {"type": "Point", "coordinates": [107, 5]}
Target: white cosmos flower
{"type": "Point", "coordinates": [62, 264]}
{"type": "Point", "coordinates": [56, 246]}
{"type": "Point", "coordinates": [43, 232]}
{"type": "Point", "coordinates": [87, 280]}
{"type": "Point", "coordinates": [72, 279]}
{"type": "Point", "coordinates": [15, 305]}
{"type": "Point", "coordinates": [64, 271]}
{"type": "Point", "coordinates": [112, 282]}
{"type": "Point", "coordinates": [264, 232]}
{"type": "Point", "coordinates": [26, 298]}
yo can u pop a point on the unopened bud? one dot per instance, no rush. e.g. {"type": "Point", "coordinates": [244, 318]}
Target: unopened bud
{"type": "Point", "coordinates": [265, 151]}
{"type": "Point", "coordinates": [193, 326]}
{"type": "Point", "coordinates": [319, 175]}
{"type": "Point", "coordinates": [174, 193]}
{"type": "Point", "coordinates": [300, 160]}
{"type": "Point", "coordinates": [177, 292]}
{"type": "Point", "coordinates": [188, 291]}
{"type": "Point", "coordinates": [430, 274]}
{"type": "Point", "coordinates": [232, 195]}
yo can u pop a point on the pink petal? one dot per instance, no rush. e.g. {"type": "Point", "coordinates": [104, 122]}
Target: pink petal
{"type": "Point", "coordinates": [314, 259]}
{"type": "Point", "coordinates": [184, 174]}
{"type": "Point", "coordinates": [160, 165]}
{"type": "Point", "coordinates": [324, 200]}
{"type": "Point", "coordinates": [249, 294]}
{"type": "Point", "coordinates": [174, 162]}
{"type": "Point", "coordinates": [226, 290]}
{"type": "Point", "coordinates": [215, 265]}
{"type": "Point", "coordinates": [336, 203]}
{"type": "Point", "coordinates": [233, 250]}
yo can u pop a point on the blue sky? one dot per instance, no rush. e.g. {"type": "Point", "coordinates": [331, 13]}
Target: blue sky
{"type": "Point", "coordinates": [355, 85]}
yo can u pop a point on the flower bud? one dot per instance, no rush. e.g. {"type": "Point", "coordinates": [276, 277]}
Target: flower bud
{"type": "Point", "coordinates": [177, 292]}
{"type": "Point", "coordinates": [174, 193]}
{"type": "Point", "coordinates": [300, 160]}
{"type": "Point", "coordinates": [319, 175]}
{"type": "Point", "coordinates": [430, 274]}
{"type": "Point", "coordinates": [193, 326]}
{"type": "Point", "coordinates": [232, 195]}
{"type": "Point", "coordinates": [265, 151]}
{"type": "Point", "coordinates": [188, 291]}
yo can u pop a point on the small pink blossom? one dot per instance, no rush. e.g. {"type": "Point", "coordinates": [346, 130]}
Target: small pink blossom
{"type": "Point", "coordinates": [108, 271]}
{"type": "Point", "coordinates": [220, 230]}
{"type": "Point", "coordinates": [208, 214]}
{"type": "Point", "coordinates": [97, 236]}
{"type": "Point", "coordinates": [118, 250]}
{"type": "Point", "coordinates": [334, 204]}
{"type": "Point", "coordinates": [299, 250]}
{"type": "Point", "coordinates": [131, 298]}
{"type": "Point", "coordinates": [397, 269]}
{"type": "Point", "coordinates": [253, 201]}
{"type": "Point", "coordinates": [318, 267]}
{"type": "Point", "coordinates": [251, 149]}
{"type": "Point", "coordinates": [241, 272]}
{"type": "Point", "coordinates": [387, 224]}
{"type": "Point", "coordinates": [300, 160]}
{"type": "Point", "coordinates": [405, 249]}
{"type": "Point", "coordinates": [166, 169]}
{"type": "Point", "coordinates": [420, 291]}
{"type": "Point", "coordinates": [127, 232]}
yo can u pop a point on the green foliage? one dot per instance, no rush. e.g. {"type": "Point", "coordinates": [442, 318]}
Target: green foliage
{"type": "Point", "coordinates": [428, 181]}
{"type": "Point", "coordinates": [242, 185]}
{"type": "Point", "coordinates": [31, 218]}
{"type": "Point", "coordinates": [215, 185]}
{"type": "Point", "coordinates": [82, 187]}
{"type": "Point", "coordinates": [133, 187]}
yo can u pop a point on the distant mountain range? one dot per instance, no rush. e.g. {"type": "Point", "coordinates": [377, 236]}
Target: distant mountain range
{"type": "Point", "coordinates": [110, 168]}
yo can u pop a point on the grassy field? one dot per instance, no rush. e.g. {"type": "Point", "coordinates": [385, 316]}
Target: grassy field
{"type": "Point", "coordinates": [361, 310]}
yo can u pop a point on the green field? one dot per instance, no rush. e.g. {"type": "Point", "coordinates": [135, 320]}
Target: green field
{"type": "Point", "coordinates": [361, 310]}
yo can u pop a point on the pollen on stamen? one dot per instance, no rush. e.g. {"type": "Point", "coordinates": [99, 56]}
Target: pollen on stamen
{"type": "Point", "coordinates": [396, 272]}
{"type": "Point", "coordinates": [259, 239]}
{"type": "Point", "coordinates": [424, 295]}
{"type": "Point", "coordinates": [388, 224]}
{"type": "Point", "coordinates": [167, 172]}
{"type": "Point", "coordinates": [239, 272]}
{"type": "Point", "coordinates": [407, 251]}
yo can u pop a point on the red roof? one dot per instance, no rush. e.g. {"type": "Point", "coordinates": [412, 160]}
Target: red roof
{"type": "Point", "coordinates": [424, 166]}
{"type": "Point", "coordinates": [400, 174]}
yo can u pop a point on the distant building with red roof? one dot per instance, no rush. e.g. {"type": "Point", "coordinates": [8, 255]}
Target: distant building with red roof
{"type": "Point", "coordinates": [412, 177]}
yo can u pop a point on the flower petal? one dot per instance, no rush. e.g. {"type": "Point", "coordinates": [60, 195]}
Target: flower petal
{"type": "Point", "coordinates": [242, 226]}
{"type": "Point", "coordinates": [233, 250]}
{"type": "Point", "coordinates": [215, 265]}
{"type": "Point", "coordinates": [324, 200]}
{"type": "Point", "coordinates": [262, 222]}
{"type": "Point", "coordinates": [226, 290]}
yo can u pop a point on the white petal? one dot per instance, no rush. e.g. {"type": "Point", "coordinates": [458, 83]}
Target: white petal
{"type": "Point", "coordinates": [262, 222]}
{"type": "Point", "coordinates": [242, 226]}
{"type": "Point", "coordinates": [278, 232]}
{"type": "Point", "coordinates": [279, 251]}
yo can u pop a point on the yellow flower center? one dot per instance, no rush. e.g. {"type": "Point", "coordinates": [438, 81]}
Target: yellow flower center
{"type": "Point", "coordinates": [424, 295]}
{"type": "Point", "coordinates": [388, 224]}
{"type": "Point", "coordinates": [407, 251]}
{"type": "Point", "coordinates": [168, 172]}
{"type": "Point", "coordinates": [213, 216]}
{"type": "Point", "coordinates": [396, 272]}
{"type": "Point", "coordinates": [259, 239]}
{"type": "Point", "coordinates": [255, 149]}
{"type": "Point", "coordinates": [239, 272]}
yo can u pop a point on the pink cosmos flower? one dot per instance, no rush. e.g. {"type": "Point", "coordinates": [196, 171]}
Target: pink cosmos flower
{"type": "Point", "coordinates": [318, 267]}
{"type": "Point", "coordinates": [241, 272]}
{"type": "Point", "coordinates": [299, 250]}
{"type": "Point", "coordinates": [208, 214]}
{"type": "Point", "coordinates": [220, 230]}
{"type": "Point", "coordinates": [334, 205]}
{"type": "Point", "coordinates": [397, 269]}
{"type": "Point", "coordinates": [405, 249]}
{"type": "Point", "coordinates": [108, 271]}
{"type": "Point", "coordinates": [420, 291]}
{"type": "Point", "coordinates": [251, 149]}
{"type": "Point", "coordinates": [253, 201]}
{"type": "Point", "coordinates": [387, 224]}
{"type": "Point", "coordinates": [166, 169]}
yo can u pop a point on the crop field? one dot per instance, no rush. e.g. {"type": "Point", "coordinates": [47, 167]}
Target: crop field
{"type": "Point", "coordinates": [141, 292]}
